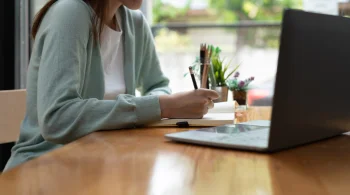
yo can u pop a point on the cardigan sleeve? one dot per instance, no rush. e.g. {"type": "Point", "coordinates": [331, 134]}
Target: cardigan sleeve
{"type": "Point", "coordinates": [152, 80]}
{"type": "Point", "coordinates": [63, 114]}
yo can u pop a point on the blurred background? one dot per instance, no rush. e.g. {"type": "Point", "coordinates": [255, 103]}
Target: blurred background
{"type": "Point", "coordinates": [247, 31]}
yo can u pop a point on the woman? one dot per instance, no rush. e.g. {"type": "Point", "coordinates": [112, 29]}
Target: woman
{"type": "Point", "coordinates": [88, 58]}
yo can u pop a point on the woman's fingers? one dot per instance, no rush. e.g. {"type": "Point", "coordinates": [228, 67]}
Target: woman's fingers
{"type": "Point", "coordinates": [205, 111]}
{"type": "Point", "coordinates": [210, 104]}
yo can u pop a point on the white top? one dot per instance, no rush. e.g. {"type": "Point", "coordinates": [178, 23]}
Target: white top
{"type": "Point", "coordinates": [112, 51]}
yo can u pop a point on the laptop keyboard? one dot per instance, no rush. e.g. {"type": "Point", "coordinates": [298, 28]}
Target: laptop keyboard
{"type": "Point", "coordinates": [256, 138]}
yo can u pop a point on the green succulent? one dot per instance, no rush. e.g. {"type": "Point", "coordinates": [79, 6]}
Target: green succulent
{"type": "Point", "coordinates": [221, 71]}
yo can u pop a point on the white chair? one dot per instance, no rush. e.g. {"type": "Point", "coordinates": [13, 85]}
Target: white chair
{"type": "Point", "coordinates": [12, 110]}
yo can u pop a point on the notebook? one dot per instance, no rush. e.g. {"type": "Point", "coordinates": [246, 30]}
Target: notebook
{"type": "Point", "coordinates": [221, 114]}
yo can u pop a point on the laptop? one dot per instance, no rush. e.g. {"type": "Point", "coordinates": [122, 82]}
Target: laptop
{"type": "Point", "coordinates": [312, 90]}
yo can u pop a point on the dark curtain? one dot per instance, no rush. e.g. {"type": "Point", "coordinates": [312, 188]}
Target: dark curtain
{"type": "Point", "coordinates": [7, 45]}
{"type": "Point", "coordinates": [7, 61]}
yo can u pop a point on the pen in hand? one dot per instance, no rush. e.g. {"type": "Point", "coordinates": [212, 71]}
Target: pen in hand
{"type": "Point", "coordinates": [193, 78]}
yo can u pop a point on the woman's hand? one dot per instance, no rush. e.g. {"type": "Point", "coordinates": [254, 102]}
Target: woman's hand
{"type": "Point", "coordinates": [192, 104]}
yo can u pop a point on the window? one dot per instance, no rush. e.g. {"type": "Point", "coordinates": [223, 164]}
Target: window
{"type": "Point", "coordinates": [247, 31]}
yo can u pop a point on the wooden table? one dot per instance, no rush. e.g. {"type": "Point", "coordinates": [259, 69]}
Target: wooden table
{"type": "Point", "coordinates": [141, 161]}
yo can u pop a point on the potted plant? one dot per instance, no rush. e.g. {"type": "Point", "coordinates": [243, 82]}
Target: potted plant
{"type": "Point", "coordinates": [239, 88]}
{"type": "Point", "coordinates": [221, 74]}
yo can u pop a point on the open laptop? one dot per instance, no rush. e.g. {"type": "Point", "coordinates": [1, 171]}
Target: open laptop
{"type": "Point", "coordinates": [312, 90]}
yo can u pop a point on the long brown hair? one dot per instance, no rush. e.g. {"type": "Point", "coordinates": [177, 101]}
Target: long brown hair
{"type": "Point", "coordinates": [100, 7]}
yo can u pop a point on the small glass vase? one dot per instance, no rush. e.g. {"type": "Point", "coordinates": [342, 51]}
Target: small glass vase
{"type": "Point", "coordinates": [240, 97]}
{"type": "Point", "coordinates": [223, 93]}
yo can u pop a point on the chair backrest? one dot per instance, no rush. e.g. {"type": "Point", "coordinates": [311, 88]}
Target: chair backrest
{"type": "Point", "coordinates": [12, 110]}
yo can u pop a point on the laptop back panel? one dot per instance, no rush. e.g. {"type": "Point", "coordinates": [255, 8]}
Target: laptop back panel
{"type": "Point", "coordinates": [312, 89]}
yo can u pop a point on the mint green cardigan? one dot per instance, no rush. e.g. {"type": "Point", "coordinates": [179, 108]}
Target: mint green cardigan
{"type": "Point", "coordinates": [65, 81]}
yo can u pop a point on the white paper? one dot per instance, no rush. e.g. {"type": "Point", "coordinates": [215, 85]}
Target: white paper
{"type": "Point", "coordinates": [322, 6]}
{"type": "Point", "coordinates": [223, 107]}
